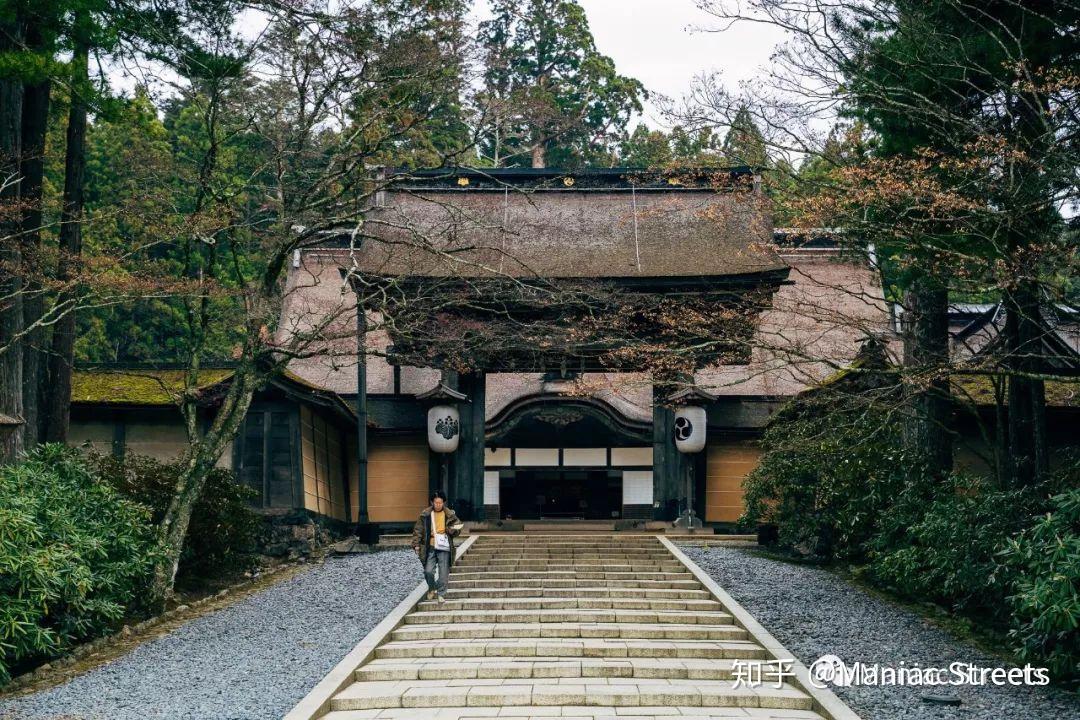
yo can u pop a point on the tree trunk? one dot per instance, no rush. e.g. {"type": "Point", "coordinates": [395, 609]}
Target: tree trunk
{"type": "Point", "coordinates": [11, 310]}
{"type": "Point", "coordinates": [174, 527]}
{"type": "Point", "coordinates": [1028, 459]}
{"type": "Point", "coordinates": [63, 341]}
{"type": "Point", "coordinates": [1034, 222]}
{"type": "Point", "coordinates": [35, 116]}
{"type": "Point", "coordinates": [201, 458]}
{"type": "Point", "coordinates": [926, 361]}
{"type": "Point", "coordinates": [538, 155]}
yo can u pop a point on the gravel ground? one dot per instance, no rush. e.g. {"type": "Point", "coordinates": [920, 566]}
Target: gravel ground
{"type": "Point", "coordinates": [814, 612]}
{"type": "Point", "coordinates": [251, 661]}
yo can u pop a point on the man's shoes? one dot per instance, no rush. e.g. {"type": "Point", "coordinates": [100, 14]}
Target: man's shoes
{"type": "Point", "coordinates": [430, 594]}
{"type": "Point", "coordinates": [441, 599]}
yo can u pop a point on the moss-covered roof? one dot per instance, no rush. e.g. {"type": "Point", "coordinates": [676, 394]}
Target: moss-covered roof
{"type": "Point", "coordinates": [980, 389]}
{"type": "Point", "coordinates": [136, 387]}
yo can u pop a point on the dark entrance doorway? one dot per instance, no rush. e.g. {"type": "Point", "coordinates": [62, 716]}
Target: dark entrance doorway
{"type": "Point", "coordinates": [566, 494]}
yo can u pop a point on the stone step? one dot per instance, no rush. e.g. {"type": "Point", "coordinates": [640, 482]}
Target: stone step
{"type": "Point", "coordinates": [649, 545]}
{"type": "Point", "coordinates": [539, 536]}
{"type": "Point", "coordinates": [471, 574]}
{"type": "Point", "coordinates": [644, 545]}
{"type": "Point", "coordinates": [623, 630]}
{"type": "Point", "coordinates": [579, 712]}
{"type": "Point", "coordinates": [567, 526]}
{"type": "Point", "coordinates": [594, 591]}
{"type": "Point", "coordinates": [533, 582]}
{"type": "Point", "coordinates": [567, 567]}
{"type": "Point", "coordinates": [585, 647]}
{"type": "Point", "coordinates": [578, 556]}
{"type": "Point", "coordinates": [429, 694]}
{"type": "Point", "coordinates": [545, 667]}
{"type": "Point", "coordinates": [530, 540]}
{"type": "Point", "coordinates": [649, 548]}
{"type": "Point", "coordinates": [688, 617]}
{"type": "Point", "coordinates": [585, 562]}
{"type": "Point", "coordinates": [581, 539]}
{"type": "Point", "coordinates": [568, 552]}
{"type": "Point", "coordinates": [532, 712]}
{"type": "Point", "coordinates": [566, 557]}
{"type": "Point", "coordinates": [613, 541]}
{"type": "Point", "coordinates": [565, 602]}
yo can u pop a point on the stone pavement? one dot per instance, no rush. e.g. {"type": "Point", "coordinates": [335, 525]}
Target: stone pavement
{"type": "Point", "coordinates": [601, 626]}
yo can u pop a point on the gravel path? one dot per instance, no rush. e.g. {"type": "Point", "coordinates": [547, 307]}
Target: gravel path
{"type": "Point", "coordinates": [814, 612]}
{"type": "Point", "coordinates": [251, 661]}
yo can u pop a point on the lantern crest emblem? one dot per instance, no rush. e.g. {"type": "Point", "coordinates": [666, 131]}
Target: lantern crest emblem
{"type": "Point", "coordinates": [447, 426]}
{"type": "Point", "coordinates": [684, 428]}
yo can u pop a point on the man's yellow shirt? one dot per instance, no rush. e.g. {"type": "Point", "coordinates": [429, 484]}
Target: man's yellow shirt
{"type": "Point", "coordinates": [440, 523]}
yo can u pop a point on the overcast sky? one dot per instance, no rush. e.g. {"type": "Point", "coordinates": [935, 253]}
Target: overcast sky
{"type": "Point", "coordinates": [655, 42]}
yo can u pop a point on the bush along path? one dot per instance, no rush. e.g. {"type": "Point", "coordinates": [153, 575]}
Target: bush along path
{"type": "Point", "coordinates": [251, 660]}
{"type": "Point", "coordinates": [814, 612]}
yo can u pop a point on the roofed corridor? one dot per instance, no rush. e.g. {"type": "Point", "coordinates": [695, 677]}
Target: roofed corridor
{"type": "Point", "coordinates": [586, 626]}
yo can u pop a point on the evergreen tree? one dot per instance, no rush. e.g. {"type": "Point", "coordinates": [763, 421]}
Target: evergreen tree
{"type": "Point", "coordinates": [744, 143]}
{"type": "Point", "coordinates": [646, 148]}
{"type": "Point", "coordinates": [549, 97]}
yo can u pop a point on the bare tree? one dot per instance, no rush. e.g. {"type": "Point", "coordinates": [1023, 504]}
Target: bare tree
{"type": "Point", "coordinates": [972, 112]}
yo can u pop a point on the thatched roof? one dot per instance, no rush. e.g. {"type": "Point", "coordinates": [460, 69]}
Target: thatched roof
{"type": "Point", "coordinates": [599, 233]}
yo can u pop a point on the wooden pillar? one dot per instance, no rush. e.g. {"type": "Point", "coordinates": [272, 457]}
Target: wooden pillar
{"type": "Point", "coordinates": [670, 467]}
{"type": "Point", "coordinates": [361, 414]}
{"type": "Point", "coordinates": [664, 497]}
{"type": "Point", "coordinates": [468, 491]}
{"type": "Point", "coordinates": [119, 439]}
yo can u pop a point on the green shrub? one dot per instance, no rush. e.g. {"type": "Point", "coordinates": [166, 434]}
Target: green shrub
{"type": "Point", "coordinates": [947, 550]}
{"type": "Point", "coordinates": [824, 483]}
{"type": "Point", "coordinates": [1045, 561]}
{"type": "Point", "coordinates": [837, 482]}
{"type": "Point", "coordinates": [74, 556]}
{"type": "Point", "coordinates": [223, 530]}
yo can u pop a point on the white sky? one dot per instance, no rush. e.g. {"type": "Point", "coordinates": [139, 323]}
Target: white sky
{"type": "Point", "coordinates": [658, 42]}
{"type": "Point", "coordinates": [655, 42]}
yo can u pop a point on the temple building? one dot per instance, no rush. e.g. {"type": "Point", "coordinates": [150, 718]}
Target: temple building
{"type": "Point", "coordinates": [565, 433]}
{"type": "Point", "coordinates": [578, 330]}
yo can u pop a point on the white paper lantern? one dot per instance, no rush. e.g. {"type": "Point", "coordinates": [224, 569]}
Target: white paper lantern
{"type": "Point", "coordinates": [689, 429]}
{"type": "Point", "coordinates": [444, 428]}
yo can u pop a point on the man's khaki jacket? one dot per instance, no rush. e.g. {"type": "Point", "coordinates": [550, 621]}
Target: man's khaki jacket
{"type": "Point", "coordinates": [421, 532]}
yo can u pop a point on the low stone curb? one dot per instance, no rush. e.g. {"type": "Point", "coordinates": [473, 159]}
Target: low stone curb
{"type": "Point", "coordinates": [317, 702]}
{"type": "Point", "coordinates": [825, 701]}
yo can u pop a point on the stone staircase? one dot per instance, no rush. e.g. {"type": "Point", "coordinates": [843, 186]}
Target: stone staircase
{"type": "Point", "coordinates": [585, 626]}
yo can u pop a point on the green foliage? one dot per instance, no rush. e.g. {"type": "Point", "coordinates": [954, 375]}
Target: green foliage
{"type": "Point", "coordinates": [744, 144]}
{"type": "Point", "coordinates": [826, 484]}
{"type": "Point", "coordinates": [223, 529]}
{"type": "Point", "coordinates": [1045, 561]}
{"type": "Point", "coordinates": [839, 484]}
{"type": "Point", "coordinates": [680, 148]}
{"type": "Point", "coordinates": [141, 175]}
{"type": "Point", "coordinates": [75, 556]}
{"type": "Point", "coordinates": [945, 549]}
{"type": "Point", "coordinates": [424, 41]}
{"type": "Point", "coordinates": [548, 89]}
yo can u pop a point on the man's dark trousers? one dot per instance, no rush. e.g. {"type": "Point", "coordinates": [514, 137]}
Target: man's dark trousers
{"type": "Point", "coordinates": [441, 559]}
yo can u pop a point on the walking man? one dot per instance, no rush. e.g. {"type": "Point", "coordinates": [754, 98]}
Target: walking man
{"type": "Point", "coordinates": [433, 540]}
